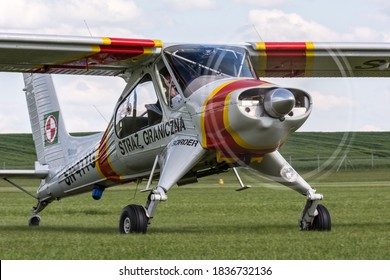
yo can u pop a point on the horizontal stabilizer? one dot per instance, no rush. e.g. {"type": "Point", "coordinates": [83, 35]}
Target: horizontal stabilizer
{"type": "Point", "coordinates": [23, 174]}
{"type": "Point", "coordinates": [40, 172]}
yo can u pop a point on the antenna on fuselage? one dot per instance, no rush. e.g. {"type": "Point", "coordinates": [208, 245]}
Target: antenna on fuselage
{"type": "Point", "coordinates": [100, 113]}
{"type": "Point", "coordinates": [258, 34]}
{"type": "Point", "coordinates": [86, 25]}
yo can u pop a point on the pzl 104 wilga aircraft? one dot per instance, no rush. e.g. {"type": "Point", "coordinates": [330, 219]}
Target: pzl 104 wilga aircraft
{"type": "Point", "coordinates": [188, 111]}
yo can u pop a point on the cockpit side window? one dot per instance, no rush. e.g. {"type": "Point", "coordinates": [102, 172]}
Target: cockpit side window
{"type": "Point", "coordinates": [139, 109]}
{"type": "Point", "coordinates": [170, 92]}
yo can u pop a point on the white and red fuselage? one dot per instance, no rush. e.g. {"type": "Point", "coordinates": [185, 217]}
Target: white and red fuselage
{"type": "Point", "coordinates": [232, 119]}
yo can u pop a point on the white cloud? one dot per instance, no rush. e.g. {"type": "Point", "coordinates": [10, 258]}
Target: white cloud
{"type": "Point", "coordinates": [12, 124]}
{"type": "Point", "coordinates": [370, 127]}
{"type": "Point", "coordinates": [35, 14]}
{"type": "Point", "coordinates": [327, 101]}
{"type": "Point", "coordinates": [87, 102]}
{"type": "Point", "coordinates": [189, 5]}
{"type": "Point", "coordinates": [114, 10]}
{"type": "Point", "coordinates": [262, 3]}
{"type": "Point", "coordinates": [66, 17]}
{"type": "Point", "coordinates": [277, 25]}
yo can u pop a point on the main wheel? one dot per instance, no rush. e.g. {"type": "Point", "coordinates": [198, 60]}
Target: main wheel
{"type": "Point", "coordinates": [133, 219]}
{"type": "Point", "coordinates": [322, 221]}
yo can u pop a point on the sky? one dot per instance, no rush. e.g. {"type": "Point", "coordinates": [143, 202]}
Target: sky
{"type": "Point", "coordinates": [88, 102]}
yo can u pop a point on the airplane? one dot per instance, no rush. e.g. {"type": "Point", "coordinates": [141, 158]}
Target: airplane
{"type": "Point", "coordinates": [187, 111]}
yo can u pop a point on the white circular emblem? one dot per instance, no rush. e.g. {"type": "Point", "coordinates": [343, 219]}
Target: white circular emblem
{"type": "Point", "coordinates": [51, 129]}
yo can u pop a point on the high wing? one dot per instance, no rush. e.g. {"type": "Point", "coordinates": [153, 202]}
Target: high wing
{"type": "Point", "coordinates": [73, 55]}
{"type": "Point", "coordinates": [307, 59]}
{"type": "Point", "coordinates": [112, 56]}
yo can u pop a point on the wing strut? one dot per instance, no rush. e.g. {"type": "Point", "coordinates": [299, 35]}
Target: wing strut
{"type": "Point", "coordinates": [20, 188]}
{"type": "Point", "coordinates": [148, 188]}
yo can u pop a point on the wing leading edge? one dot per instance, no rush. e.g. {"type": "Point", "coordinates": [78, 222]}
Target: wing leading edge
{"type": "Point", "coordinates": [113, 56]}
{"type": "Point", "coordinates": [308, 59]}
{"type": "Point", "coordinates": [73, 55]}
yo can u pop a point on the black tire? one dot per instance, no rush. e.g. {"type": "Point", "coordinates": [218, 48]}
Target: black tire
{"type": "Point", "coordinates": [34, 221]}
{"type": "Point", "coordinates": [133, 219]}
{"type": "Point", "coordinates": [322, 221]}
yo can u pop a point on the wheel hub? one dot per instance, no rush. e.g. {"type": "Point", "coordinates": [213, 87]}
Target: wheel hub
{"type": "Point", "coordinates": [127, 225]}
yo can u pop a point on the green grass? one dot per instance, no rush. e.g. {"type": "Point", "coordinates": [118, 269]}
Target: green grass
{"type": "Point", "coordinates": [212, 221]}
{"type": "Point", "coordinates": [362, 150]}
{"type": "Point", "coordinates": [207, 221]}
{"type": "Point", "coordinates": [302, 148]}
{"type": "Point", "coordinates": [17, 151]}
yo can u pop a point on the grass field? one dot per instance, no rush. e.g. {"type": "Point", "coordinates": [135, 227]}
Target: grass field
{"type": "Point", "coordinates": [302, 148]}
{"type": "Point", "coordinates": [212, 221]}
{"type": "Point", "coordinates": [207, 221]}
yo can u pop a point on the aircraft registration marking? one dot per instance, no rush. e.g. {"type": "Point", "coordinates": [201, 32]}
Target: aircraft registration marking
{"type": "Point", "coordinates": [80, 168]}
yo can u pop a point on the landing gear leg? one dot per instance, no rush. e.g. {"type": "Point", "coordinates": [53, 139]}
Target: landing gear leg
{"type": "Point", "coordinates": [35, 219]}
{"type": "Point", "coordinates": [175, 161]}
{"type": "Point", "coordinates": [314, 215]}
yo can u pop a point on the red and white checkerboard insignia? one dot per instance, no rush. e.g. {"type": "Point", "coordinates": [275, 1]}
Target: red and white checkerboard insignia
{"type": "Point", "coordinates": [51, 128]}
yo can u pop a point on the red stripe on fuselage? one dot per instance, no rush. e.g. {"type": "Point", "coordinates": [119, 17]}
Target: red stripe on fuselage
{"type": "Point", "coordinates": [103, 159]}
{"type": "Point", "coordinates": [217, 136]}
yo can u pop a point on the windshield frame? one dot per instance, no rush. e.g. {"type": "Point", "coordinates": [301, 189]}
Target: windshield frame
{"type": "Point", "coordinates": [211, 62]}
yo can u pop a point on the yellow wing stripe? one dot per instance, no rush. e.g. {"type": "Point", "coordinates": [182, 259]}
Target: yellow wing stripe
{"type": "Point", "coordinates": [309, 59]}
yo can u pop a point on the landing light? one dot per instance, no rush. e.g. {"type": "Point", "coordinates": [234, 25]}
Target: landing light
{"type": "Point", "coordinates": [288, 173]}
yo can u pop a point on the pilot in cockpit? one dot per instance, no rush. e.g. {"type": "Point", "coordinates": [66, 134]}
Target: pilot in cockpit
{"type": "Point", "coordinates": [173, 97]}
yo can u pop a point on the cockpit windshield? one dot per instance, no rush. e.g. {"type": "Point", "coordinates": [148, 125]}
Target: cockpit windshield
{"type": "Point", "coordinates": [192, 63]}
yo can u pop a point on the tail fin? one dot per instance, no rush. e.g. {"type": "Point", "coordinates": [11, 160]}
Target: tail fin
{"type": "Point", "coordinates": [54, 146]}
